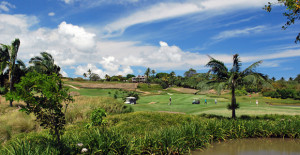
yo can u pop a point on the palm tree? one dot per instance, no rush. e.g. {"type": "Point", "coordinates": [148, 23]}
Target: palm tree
{"type": "Point", "coordinates": [153, 72]}
{"type": "Point", "coordinates": [84, 75]}
{"type": "Point", "coordinates": [234, 77]}
{"type": "Point", "coordinates": [12, 51]}
{"type": "Point", "coordinates": [147, 73]}
{"type": "Point", "coordinates": [20, 70]}
{"type": "Point", "coordinates": [89, 73]}
{"type": "Point", "coordinates": [107, 77]}
{"type": "Point", "coordinates": [4, 59]}
{"type": "Point", "coordinates": [45, 64]}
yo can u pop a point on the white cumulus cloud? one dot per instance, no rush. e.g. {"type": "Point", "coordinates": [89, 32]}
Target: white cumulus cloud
{"type": "Point", "coordinates": [5, 6]}
{"type": "Point", "coordinates": [77, 35]}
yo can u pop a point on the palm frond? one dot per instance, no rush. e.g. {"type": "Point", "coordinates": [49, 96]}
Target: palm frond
{"type": "Point", "coordinates": [251, 68]}
{"type": "Point", "coordinates": [35, 59]}
{"type": "Point", "coordinates": [221, 86]}
{"type": "Point", "coordinates": [217, 67]}
{"type": "Point", "coordinates": [21, 64]}
{"type": "Point", "coordinates": [46, 56]}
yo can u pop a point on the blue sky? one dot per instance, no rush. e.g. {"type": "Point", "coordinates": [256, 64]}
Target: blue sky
{"type": "Point", "coordinates": [119, 37]}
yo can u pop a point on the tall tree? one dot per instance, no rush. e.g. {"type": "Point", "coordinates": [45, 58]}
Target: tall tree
{"type": "Point", "coordinates": [44, 64]}
{"type": "Point", "coordinates": [12, 51]}
{"type": "Point", "coordinates": [172, 74]}
{"type": "Point", "coordinates": [190, 72]}
{"type": "Point", "coordinates": [273, 79]}
{"type": "Point", "coordinates": [292, 14]}
{"type": "Point", "coordinates": [172, 78]}
{"type": "Point", "coordinates": [234, 77]}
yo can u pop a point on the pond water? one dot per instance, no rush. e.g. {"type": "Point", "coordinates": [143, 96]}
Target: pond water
{"type": "Point", "coordinates": [265, 146]}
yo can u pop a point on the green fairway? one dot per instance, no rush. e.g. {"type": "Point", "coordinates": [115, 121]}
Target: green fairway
{"type": "Point", "coordinates": [182, 103]}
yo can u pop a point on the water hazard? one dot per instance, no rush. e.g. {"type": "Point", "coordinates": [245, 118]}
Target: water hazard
{"type": "Point", "coordinates": [265, 146]}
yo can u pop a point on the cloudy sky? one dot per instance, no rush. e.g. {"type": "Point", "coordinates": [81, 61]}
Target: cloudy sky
{"type": "Point", "coordinates": [120, 37]}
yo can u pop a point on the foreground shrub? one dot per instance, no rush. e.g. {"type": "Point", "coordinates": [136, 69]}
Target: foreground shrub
{"type": "Point", "coordinates": [43, 95]}
{"type": "Point", "coordinates": [97, 117]}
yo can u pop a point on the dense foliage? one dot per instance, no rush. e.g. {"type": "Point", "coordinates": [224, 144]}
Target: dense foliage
{"type": "Point", "coordinates": [43, 95]}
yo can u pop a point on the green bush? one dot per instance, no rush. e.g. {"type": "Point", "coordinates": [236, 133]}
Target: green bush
{"type": "Point", "coordinates": [241, 92]}
{"type": "Point", "coordinates": [297, 95]}
{"type": "Point", "coordinates": [275, 94]}
{"type": "Point", "coordinates": [78, 79]}
{"type": "Point", "coordinates": [285, 93]}
{"type": "Point", "coordinates": [97, 117]}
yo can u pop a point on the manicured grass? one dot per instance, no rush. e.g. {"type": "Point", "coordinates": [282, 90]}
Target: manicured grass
{"type": "Point", "coordinates": [183, 103]}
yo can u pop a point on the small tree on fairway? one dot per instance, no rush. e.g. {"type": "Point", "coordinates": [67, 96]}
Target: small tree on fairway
{"type": "Point", "coordinates": [234, 77]}
{"type": "Point", "coordinates": [94, 77]}
{"type": "Point", "coordinates": [43, 95]}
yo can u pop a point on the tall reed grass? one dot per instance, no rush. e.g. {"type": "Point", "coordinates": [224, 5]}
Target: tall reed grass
{"type": "Point", "coordinates": [161, 133]}
{"type": "Point", "coordinates": [14, 122]}
{"type": "Point", "coordinates": [82, 107]}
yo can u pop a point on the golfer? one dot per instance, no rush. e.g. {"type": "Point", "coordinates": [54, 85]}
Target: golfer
{"type": "Point", "coordinates": [170, 101]}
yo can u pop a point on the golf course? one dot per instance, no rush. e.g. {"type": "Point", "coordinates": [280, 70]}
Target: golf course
{"type": "Point", "coordinates": [157, 100]}
{"type": "Point", "coordinates": [160, 77]}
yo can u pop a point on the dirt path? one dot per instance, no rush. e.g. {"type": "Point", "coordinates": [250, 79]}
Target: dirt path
{"type": "Point", "coordinates": [186, 90]}
{"type": "Point", "coordinates": [73, 87]}
{"type": "Point", "coordinates": [127, 86]}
